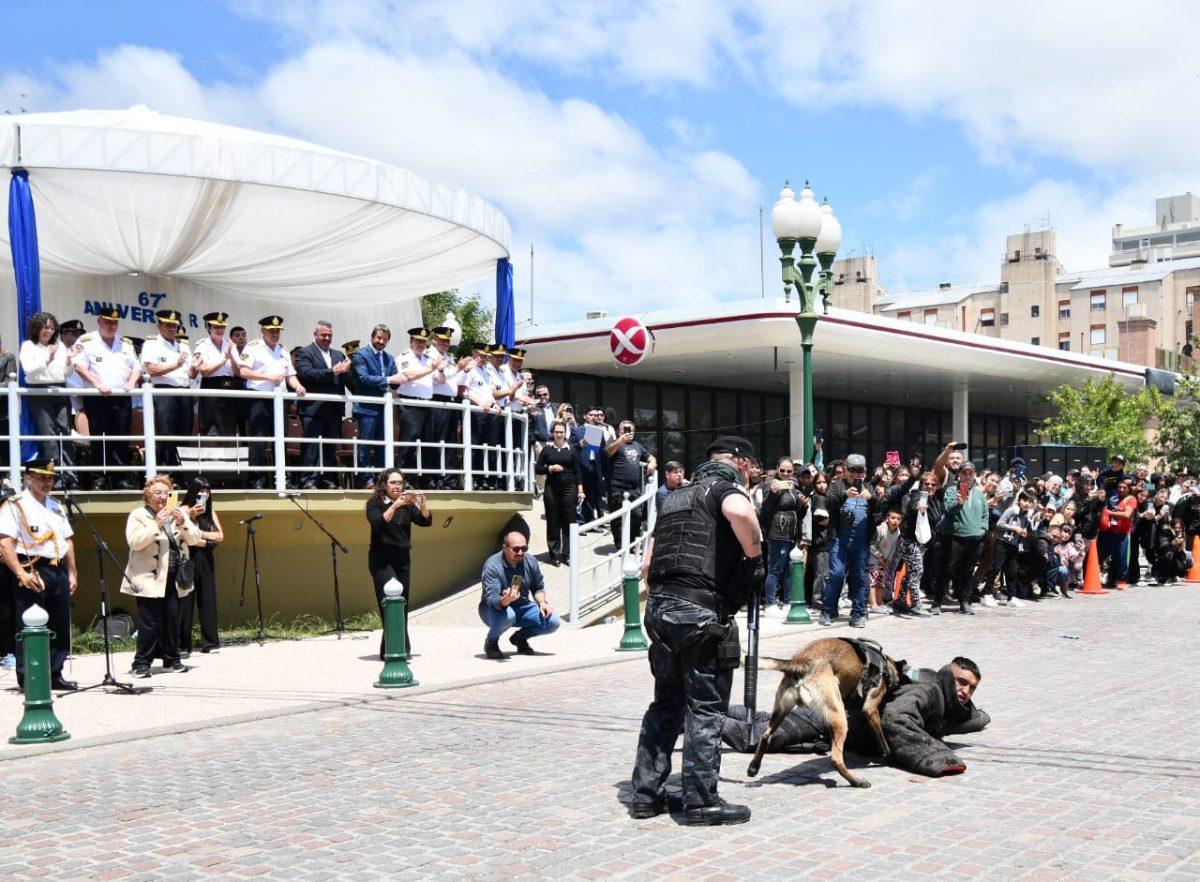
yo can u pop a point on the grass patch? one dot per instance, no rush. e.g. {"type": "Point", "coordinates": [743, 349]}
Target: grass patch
{"type": "Point", "coordinates": [90, 641]}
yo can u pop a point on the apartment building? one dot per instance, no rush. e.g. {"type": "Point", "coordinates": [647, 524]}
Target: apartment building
{"type": "Point", "coordinates": [1141, 308]}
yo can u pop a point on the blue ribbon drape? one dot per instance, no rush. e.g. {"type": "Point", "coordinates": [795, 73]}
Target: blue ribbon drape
{"type": "Point", "coordinates": [22, 234]}
{"type": "Point", "coordinates": [506, 325]}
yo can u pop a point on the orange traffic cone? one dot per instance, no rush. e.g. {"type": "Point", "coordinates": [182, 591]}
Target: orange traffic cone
{"type": "Point", "coordinates": [1193, 575]}
{"type": "Point", "coordinates": [1091, 571]}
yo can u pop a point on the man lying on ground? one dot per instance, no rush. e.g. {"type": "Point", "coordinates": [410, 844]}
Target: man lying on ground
{"type": "Point", "coordinates": [915, 717]}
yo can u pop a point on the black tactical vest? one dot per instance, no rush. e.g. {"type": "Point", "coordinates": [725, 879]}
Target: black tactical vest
{"type": "Point", "coordinates": [694, 545]}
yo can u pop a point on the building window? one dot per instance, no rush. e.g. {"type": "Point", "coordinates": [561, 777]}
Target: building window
{"type": "Point", "coordinates": [1004, 319]}
{"type": "Point", "coordinates": [931, 316]}
{"type": "Point", "coordinates": [1035, 311]}
{"type": "Point", "coordinates": [1097, 301]}
{"type": "Point", "coordinates": [1004, 287]}
{"type": "Point", "coordinates": [904, 315]}
{"type": "Point", "coordinates": [1064, 309]}
{"type": "Point", "coordinates": [1097, 335]}
{"type": "Point", "coordinates": [1129, 295]}
{"type": "Point", "coordinates": [1064, 341]}
{"type": "Point", "coordinates": [987, 318]}
{"type": "Point", "coordinates": [1035, 341]}
{"type": "Point", "coordinates": [1191, 298]}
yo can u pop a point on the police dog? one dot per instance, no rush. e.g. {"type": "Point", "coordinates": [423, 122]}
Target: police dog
{"type": "Point", "coordinates": [819, 677]}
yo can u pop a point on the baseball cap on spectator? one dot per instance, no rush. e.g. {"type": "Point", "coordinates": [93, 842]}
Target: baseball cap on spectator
{"type": "Point", "coordinates": [734, 444]}
{"type": "Point", "coordinates": [967, 464]}
{"type": "Point", "coordinates": [1016, 460]}
{"type": "Point", "coordinates": [856, 461]}
{"type": "Point", "coordinates": [1117, 456]}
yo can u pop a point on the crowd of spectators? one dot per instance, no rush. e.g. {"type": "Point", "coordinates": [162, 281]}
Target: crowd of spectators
{"type": "Point", "coordinates": [910, 540]}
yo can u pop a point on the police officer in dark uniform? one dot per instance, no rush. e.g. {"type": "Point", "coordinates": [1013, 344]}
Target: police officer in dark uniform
{"type": "Point", "coordinates": [704, 559]}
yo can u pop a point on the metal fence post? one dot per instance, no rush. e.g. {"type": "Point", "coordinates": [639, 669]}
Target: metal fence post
{"type": "Point", "coordinates": [151, 438]}
{"type": "Point", "coordinates": [280, 422]}
{"type": "Point", "coordinates": [468, 474]}
{"type": "Point", "coordinates": [573, 547]}
{"type": "Point", "coordinates": [509, 464]}
{"type": "Point", "coordinates": [389, 431]}
{"type": "Point", "coordinates": [14, 434]}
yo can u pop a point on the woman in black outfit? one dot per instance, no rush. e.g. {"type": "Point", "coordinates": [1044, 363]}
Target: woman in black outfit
{"type": "Point", "coordinates": [559, 462]}
{"type": "Point", "coordinates": [198, 502]}
{"type": "Point", "coordinates": [391, 512]}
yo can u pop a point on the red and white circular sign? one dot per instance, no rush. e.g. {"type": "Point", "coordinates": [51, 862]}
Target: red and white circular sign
{"type": "Point", "coordinates": [629, 341]}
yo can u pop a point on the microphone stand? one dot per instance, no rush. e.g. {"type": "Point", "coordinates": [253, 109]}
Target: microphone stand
{"type": "Point", "coordinates": [335, 545]}
{"type": "Point", "coordinates": [252, 549]}
{"type": "Point", "coordinates": [102, 551]}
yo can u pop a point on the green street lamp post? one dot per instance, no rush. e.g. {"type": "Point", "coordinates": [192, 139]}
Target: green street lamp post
{"type": "Point", "coordinates": [818, 233]}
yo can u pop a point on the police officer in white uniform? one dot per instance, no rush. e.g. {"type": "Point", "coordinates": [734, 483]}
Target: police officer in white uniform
{"type": "Point", "coordinates": [265, 365]}
{"type": "Point", "coordinates": [215, 361]}
{"type": "Point", "coordinates": [108, 363]}
{"type": "Point", "coordinates": [419, 369]}
{"type": "Point", "coordinates": [519, 401]}
{"type": "Point", "coordinates": [36, 546]}
{"type": "Point", "coordinates": [442, 425]}
{"type": "Point", "coordinates": [481, 387]}
{"type": "Point", "coordinates": [170, 366]}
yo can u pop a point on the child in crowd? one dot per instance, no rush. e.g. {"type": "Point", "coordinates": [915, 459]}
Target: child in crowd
{"type": "Point", "coordinates": [1071, 555]}
{"type": "Point", "coordinates": [1012, 531]}
{"type": "Point", "coordinates": [880, 562]}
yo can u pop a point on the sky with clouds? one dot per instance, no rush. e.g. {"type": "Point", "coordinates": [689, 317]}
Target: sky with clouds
{"type": "Point", "coordinates": [633, 144]}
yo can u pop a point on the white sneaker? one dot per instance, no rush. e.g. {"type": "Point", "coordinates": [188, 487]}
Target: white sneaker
{"type": "Point", "coordinates": [844, 604]}
{"type": "Point", "coordinates": [1016, 603]}
{"type": "Point", "coordinates": [9, 661]}
{"type": "Point", "coordinates": [987, 600]}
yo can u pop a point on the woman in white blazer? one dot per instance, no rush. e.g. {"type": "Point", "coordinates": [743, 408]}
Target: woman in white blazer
{"type": "Point", "coordinates": [158, 535]}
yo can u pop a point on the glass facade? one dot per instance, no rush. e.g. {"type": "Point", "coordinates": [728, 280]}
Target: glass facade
{"type": "Point", "coordinates": [677, 421]}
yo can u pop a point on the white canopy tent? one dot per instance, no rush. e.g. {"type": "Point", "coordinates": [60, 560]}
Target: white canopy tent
{"type": "Point", "coordinates": [131, 202]}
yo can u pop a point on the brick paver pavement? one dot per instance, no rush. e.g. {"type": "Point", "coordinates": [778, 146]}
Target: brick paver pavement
{"type": "Point", "coordinates": [1088, 772]}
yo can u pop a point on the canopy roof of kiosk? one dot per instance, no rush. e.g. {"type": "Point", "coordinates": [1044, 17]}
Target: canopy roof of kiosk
{"type": "Point", "coordinates": [133, 191]}
{"type": "Point", "coordinates": [755, 345]}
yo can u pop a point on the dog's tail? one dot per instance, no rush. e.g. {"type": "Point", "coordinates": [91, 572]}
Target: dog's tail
{"type": "Point", "coordinates": [790, 666]}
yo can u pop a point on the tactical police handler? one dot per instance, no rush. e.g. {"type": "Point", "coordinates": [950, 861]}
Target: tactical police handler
{"type": "Point", "coordinates": [703, 561]}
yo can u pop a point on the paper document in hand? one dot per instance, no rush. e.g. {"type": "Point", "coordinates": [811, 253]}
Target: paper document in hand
{"type": "Point", "coordinates": [593, 435]}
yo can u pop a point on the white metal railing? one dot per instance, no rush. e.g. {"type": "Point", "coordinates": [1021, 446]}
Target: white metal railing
{"type": "Point", "coordinates": [503, 463]}
{"type": "Point", "coordinates": [599, 582]}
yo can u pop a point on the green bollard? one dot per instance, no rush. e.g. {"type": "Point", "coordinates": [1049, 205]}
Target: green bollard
{"type": "Point", "coordinates": [39, 725]}
{"type": "Point", "coordinates": [633, 640]}
{"type": "Point", "coordinates": [395, 673]}
{"type": "Point", "coordinates": [797, 612]}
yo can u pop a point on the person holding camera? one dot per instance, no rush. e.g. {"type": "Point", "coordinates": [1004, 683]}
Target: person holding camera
{"type": "Point", "coordinates": [391, 511]}
{"type": "Point", "coordinates": [198, 502]}
{"type": "Point", "coordinates": [853, 508]}
{"type": "Point", "coordinates": [159, 534]}
{"type": "Point", "coordinates": [629, 464]}
{"type": "Point", "coordinates": [782, 514]}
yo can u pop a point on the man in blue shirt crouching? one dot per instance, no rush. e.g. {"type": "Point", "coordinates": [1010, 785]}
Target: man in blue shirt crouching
{"type": "Point", "coordinates": [514, 596]}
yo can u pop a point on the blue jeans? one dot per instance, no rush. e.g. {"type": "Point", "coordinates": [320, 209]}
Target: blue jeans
{"type": "Point", "coordinates": [1057, 577]}
{"type": "Point", "coordinates": [370, 428]}
{"type": "Point", "coordinates": [524, 614]}
{"type": "Point", "coordinates": [847, 560]}
{"type": "Point", "coordinates": [1116, 546]}
{"type": "Point", "coordinates": [779, 576]}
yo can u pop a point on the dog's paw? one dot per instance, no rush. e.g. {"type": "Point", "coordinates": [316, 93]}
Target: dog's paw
{"type": "Point", "coordinates": [863, 783]}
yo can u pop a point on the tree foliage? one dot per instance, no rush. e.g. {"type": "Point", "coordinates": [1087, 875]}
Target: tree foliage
{"type": "Point", "coordinates": [1179, 423]}
{"type": "Point", "coordinates": [1103, 415]}
{"type": "Point", "coordinates": [476, 319]}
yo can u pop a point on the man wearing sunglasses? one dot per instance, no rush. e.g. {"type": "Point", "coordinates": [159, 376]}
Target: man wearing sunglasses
{"type": "Point", "coordinates": [852, 509]}
{"type": "Point", "coordinates": [514, 596]}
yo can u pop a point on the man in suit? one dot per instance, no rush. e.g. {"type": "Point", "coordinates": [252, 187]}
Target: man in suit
{"type": "Point", "coordinates": [322, 371]}
{"type": "Point", "coordinates": [541, 418]}
{"type": "Point", "coordinates": [375, 373]}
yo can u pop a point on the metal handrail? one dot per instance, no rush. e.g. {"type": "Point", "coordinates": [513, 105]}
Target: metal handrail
{"type": "Point", "coordinates": [607, 586]}
{"type": "Point", "coordinates": [513, 462]}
